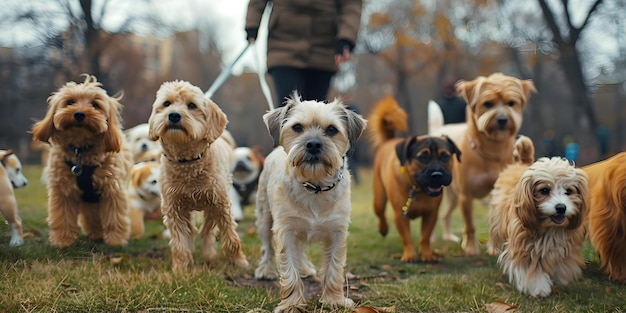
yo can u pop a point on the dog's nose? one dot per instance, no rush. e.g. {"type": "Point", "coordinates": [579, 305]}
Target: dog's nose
{"type": "Point", "coordinates": [314, 146]}
{"type": "Point", "coordinates": [502, 121]}
{"type": "Point", "coordinates": [174, 117]}
{"type": "Point", "coordinates": [144, 147]}
{"type": "Point", "coordinates": [79, 116]}
{"type": "Point", "coordinates": [436, 174]}
{"type": "Point", "coordinates": [560, 208]}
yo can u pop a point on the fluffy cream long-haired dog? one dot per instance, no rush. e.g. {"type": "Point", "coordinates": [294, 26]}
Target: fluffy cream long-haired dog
{"type": "Point", "coordinates": [304, 197]}
{"type": "Point", "coordinates": [88, 164]}
{"type": "Point", "coordinates": [195, 172]}
{"type": "Point", "coordinates": [536, 214]}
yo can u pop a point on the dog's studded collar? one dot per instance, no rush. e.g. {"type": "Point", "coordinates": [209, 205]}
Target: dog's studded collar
{"type": "Point", "coordinates": [313, 188]}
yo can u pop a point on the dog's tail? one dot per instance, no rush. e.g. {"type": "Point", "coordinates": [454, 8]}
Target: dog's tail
{"type": "Point", "coordinates": [386, 118]}
{"type": "Point", "coordinates": [435, 116]}
{"type": "Point", "coordinates": [524, 150]}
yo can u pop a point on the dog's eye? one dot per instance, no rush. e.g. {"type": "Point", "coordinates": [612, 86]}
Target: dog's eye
{"type": "Point", "coordinates": [153, 182]}
{"type": "Point", "coordinates": [488, 105]}
{"type": "Point", "coordinates": [569, 191]}
{"type": "Point", "coordinates": [95, 105]}
{"type": "Point", "coordinates": [544, 191]}
{"type": "Point", "coordinates": [70, 102]}
{"type": "Point", "coordinates": [511, 103]}
{"type": "Point", "coordinates": [424, 158]}
{"type": "Point", "coordinates": [297, 128]}
{"type": "Point", "coordinates": [166, 103]}
{"type": "Point", "coordinates": [331, 131]}
{"type": "Point", "coordinates": [444, 158]}
{"type": "Point", "coordinates": [192, 106]}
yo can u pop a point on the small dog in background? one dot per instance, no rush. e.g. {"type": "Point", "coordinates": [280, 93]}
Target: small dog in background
{"type": "Point", "coordinates": [88, 165]}
{"type": "Point", "coordinates": [536, 214]}
{"type": "Point", "coordinates": [304, 197]}
{"type": "Point", "coordinates": [607, 214]}
{"type": "Point", "coordinates": [11, 176]}
{"type": "Point", "coordinates": [195, 172]}
{"type": "Point", "coordinates": [143, 149]}
{"type": "Point", "coordinates": [246, 171]}
{"type": "Point", "coordinates": [410, 172]}
{"type": "Point", "coordinates": [144, 196]}
{"type": "Point", "coordinates": [495, 106]}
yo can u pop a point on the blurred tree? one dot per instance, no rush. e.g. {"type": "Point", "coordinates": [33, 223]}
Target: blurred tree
{"type": "Point", "coordinates": [80, 29]}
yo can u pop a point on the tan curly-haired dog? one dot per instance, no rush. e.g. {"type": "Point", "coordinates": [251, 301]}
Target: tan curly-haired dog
{"type": "Point", "coordinates": [195, 172]}
{"type": "Point", "coordinates": [88, 164]}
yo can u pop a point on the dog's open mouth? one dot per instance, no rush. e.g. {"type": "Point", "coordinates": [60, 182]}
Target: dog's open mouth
{"type": "Point", "coordinates": [558, 219]}
{"type": "Point", "coordinates": [433, 191]}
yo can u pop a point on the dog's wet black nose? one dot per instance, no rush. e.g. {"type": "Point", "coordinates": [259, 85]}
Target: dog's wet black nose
{"type": "Point", "coordinates": [436, 174]}
{"type": "Point", "coordinates": [560, 208]}
{"type": "Point", "coordinates": [314, 146]}
{"type": "Point", "coordinates": [502, 121]}
{"type": "Point", "coordinates": [79, 116]}
{"type": "Point", "coordinates": [174, 117]}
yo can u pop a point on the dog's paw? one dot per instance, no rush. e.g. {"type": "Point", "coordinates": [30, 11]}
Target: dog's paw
{"type": "Point", "coordinates": [383, 228]}
{"type": "Point", "coordinates": [451, 237]}
{"type": "Point", "coordinates": [16, 241]}
{"type": "Point", "coordinates": [337, 302]}
{"type": "Point", "coordinates": [241, 262]}
{"type": "Point", "coordinates": [430, 257]}
{"type": "Point", "coordinates": [265, 272]}
{"type": "Point", "coordinates": [470, 247]}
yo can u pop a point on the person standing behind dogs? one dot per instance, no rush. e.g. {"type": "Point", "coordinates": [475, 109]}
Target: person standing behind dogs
{"type": "Point", "coordinates": [452, 106]}
{"type": "Point", "coordinates": [307, 40]}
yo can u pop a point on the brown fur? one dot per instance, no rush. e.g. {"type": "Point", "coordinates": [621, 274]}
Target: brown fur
{"type": "Point", "coordinates": [100, 133]}
{"type": "Point", "coordinates": [607, 214]}
{"type": "Point", "coordinates": [487, 149]}
{"type": "Point", "coordinates": [393, 184]}
{"type": "Point", "coordinates": [144, 196]}
{"type": "Point", "coordinates": [536, 248]}
{"type": "Point", "coordinates": [195, 172]}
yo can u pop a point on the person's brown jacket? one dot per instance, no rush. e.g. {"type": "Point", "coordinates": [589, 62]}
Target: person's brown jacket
{"type": "Point", "coordinates": [305, 33]}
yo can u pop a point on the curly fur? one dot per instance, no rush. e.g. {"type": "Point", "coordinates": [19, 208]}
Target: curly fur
{"type": "Point", "coordinates": [82, 116]}
{"type": "Point", "coordinates": [195, 172]}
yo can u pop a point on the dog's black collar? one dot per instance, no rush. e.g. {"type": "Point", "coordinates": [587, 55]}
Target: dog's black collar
{"type": "Point", "coordinates": [185, 160]}
{"type": "Point", "coordinates": [313, 188]}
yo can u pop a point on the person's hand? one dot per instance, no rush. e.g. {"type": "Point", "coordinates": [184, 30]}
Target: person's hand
{"type": "Point", "coordinates": [342, 51]}
{"type": "Point", "coordinates": [345, 56]}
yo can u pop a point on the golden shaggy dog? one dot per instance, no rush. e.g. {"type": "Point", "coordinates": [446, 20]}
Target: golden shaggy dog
{"type": "Point", "coordinates": [88, 164]}
{"type": "Point", "coordinates": [495, 106]}
{"type": "Point", "coordinates": [304, 198]}
{"type": "Point", "coordinates": [607, 213]}
{"type": "Point", "coordinates": [536, 216]}
{"type": "Point", "coordinates": [195, 172]}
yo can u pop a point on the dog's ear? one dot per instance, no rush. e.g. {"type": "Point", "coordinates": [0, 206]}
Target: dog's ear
{"type": "Point", "coordinates": [581, 199]}
{"type": "Point", "coordinates": [4, 157]}
{"type": "Point", "coordinates": [274, 119]}
{"type": "Point", "coordinates": [465, 89]}
{"type": "Point", "coordinates": [402, 149]}
{"type": "Point", "coordinates": [528, 86]}
{"type": "Point", "coordinates": [216, 119]}
{"type": "Point", "coordinates": [453, 148]}
{"type": "Point", "coordinates": [43, 129]}
{"type": "Point", "coordinates": [114, 136]}
{"type": "Point", "coordinates": [355, 125]}
{"type": "Point", "coordinates": [524, 203]}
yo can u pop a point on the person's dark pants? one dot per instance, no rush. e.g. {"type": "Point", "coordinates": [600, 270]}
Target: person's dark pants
{"type": "Point", "coordinates": [311, 84]}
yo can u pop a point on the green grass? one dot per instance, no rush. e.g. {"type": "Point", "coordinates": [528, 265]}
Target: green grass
{"type": "Point", "coordinates": [89, 277]}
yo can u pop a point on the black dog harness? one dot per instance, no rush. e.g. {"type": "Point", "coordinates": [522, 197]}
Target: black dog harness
{"type": "Point", "coordinates": [245, 190]}
{"type": "Point", "coordinates": [84, 176]}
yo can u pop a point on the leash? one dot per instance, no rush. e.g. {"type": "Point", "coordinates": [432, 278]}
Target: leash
{"type": "Point", "coordinates": [221, 78]}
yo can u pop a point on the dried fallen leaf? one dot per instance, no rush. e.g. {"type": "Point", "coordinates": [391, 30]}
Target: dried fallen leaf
{"type": "Point", "coordinates": [500, 307]}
